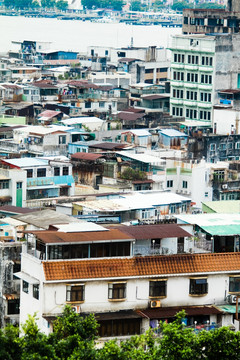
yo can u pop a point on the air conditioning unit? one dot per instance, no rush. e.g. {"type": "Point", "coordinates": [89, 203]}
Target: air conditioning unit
{"type": "Point", "coordinates": [232, 299]}
{"type": "Point", "coordinates": [225, 186]}
{"type": "Point", "coordinates": [155, 303]}
{"type": "Point", "coordinates": [76, 309]}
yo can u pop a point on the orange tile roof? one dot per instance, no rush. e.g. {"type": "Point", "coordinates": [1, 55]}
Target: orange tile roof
{"type": "Point", "coordinates": [141, 266]}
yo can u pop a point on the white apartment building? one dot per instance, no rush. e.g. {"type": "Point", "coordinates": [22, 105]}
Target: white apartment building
{"type": "Point", "coordinates": [189, 178]}
{"type": "Point", "coordinates": [200, 66]}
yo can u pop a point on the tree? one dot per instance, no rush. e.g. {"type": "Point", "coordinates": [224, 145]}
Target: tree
{"type": "Point", "coordinates": [61, 5]}
{"type": "Point", "coordinates": [48, 4]}
{"type": "Point", "coordinates": [74, 338]}
{"type": "Point", "coordinates": [131, 174]}
{"type": "Point", "coordinates": [136, 5]}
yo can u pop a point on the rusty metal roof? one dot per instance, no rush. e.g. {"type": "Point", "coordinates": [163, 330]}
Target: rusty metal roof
{"type": "Point", "coordinates": [130, 115]}
{"type": "Point", "coordinates": [108, 146]}
{"type": "Point", "coordinates": [154, 231]}
{"type": "Point", "coordinates": [52, 237]}
{"type": "Point", "coordinates": [170, 312]}
{"type": "Point", "coordinates": [86, 156]}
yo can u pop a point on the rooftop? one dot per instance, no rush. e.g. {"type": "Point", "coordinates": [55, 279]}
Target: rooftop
{"type": "Point", "coordinates": [58, 237]}
{"type": "Point", "coordinates": [86, 156]}
{"type": "Point", "coordinates": [139, 232]}
{"type": "Point", "coordinates": [148, 266]}
{"type": "Point", "coordinates": [224, 207]}
{"type": "Point", "coordinates": [44, 218]}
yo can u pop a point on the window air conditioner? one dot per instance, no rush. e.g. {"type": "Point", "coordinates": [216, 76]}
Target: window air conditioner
{"type": "Point", "coordinates": [155, 303]}
{"type": "Point", "coordinates": [76, 309]}
{"type": "Point", "coordinates": [232, 299]}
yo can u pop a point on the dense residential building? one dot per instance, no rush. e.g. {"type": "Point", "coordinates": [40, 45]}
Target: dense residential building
{"type": "Point", "coordinates": [46, 178]}
{"type": "Point", "coordinates": [201, 65]}
{"type": "Point", "coordinates": [132, 291]}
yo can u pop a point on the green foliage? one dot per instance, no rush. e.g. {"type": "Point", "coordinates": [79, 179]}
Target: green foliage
{"type": "Point", "coordinates": [74, 338]}
{"type": "Point", "coordinates": [131, 174]}
{"type": "Point", "coordinates": [61, 5]}
{"type": "Point", "coordinates": [136, 5]}
{"type": "Point", "coordinates": [107, 4]}
{"type": "Point", "coordinates": [158, 4]}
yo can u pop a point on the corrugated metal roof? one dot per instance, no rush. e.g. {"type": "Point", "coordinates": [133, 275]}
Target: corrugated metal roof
{"type": "Point", "coordinates": [172, 133]}
{"type": "Point", "coordinates": [225, 207]}
{"type": "Point", "coordinates": [108, 146]}
{"type": "Point", "coordinates": [26, 162]}
{"type": "Point", "coordinates": [208, 220]}
{"type": "Point", "coordinates": [130, 116]}
{"type": "Point", "coordinates": [48, 114]}
{"type": "Point", "coordinates": [154, 231]}
{"type": "Point", "coordinates": [231, 309]}
{"type": "Point", "coordinates": [221, 230]}
{"type": "Point", "coordinates": [170, 312]}
{"type": "Point", "coordinates": [138, 132]}
{"type": "Point", "coordinates": [86, 156]}
{"type": "Point", "coordinates": [162, 265]}
{"type": "Point", "coordinates": [57, 237]}
{"type": "Point", "coordinates": [156, 97]}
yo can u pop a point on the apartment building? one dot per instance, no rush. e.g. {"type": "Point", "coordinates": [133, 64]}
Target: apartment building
{"type": "Point", "coordinates": [134, 289]}
{"type": "Point", "coordinates": [201, 65]}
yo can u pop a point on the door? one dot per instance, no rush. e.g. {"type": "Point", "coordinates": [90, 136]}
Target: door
{"type": "Point", "coordinates": [19, 194]}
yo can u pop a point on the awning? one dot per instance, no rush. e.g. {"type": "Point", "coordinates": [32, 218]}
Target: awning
{"type": "Point", "coordinates": [128, 314]}
{"type": "Point", "coordinates": [222, 230]}
{"type": "Point", "coordinates": [43, 187]}
{"type": "Point", "coordinates": [170, 312]}
{"type": "Point", "coordinates": [5, 199]}
{"type": "Point", "coordinates": [231, 309]}
{"type": "Point", "coordinates": [11, 296]}
{"type": "Point", "coordinates": [22, 275]}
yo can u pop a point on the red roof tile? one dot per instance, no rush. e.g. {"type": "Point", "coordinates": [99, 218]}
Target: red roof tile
{"type": "Point", "coordinates": [141, 266]}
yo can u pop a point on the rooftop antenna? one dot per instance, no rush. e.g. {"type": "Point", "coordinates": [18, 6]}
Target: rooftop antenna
{"type": "Point", "coordinates": [132, 42]}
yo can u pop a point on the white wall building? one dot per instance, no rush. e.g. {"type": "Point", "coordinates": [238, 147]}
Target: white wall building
{"type": "Point", "coordinates": [152, 285]}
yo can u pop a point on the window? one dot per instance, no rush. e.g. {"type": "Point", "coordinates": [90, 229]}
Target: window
{"type": "Point", "coordinates": [36, 291]}
{"type": "Point", "coordinates": [117, 291]}
{"type": "Point", "coordinates": [237, 145]}
{"type": "Point", "coordinates": [25, 286]}
{"type": "Point", "coordinates": [4, 184]}
{"type": "Point", "coordinates": [56, 171]}
{"type": "Point", "coordinates": [41, 172]}
{"type": "Point", "coordinates": [75, 293]}
{"type": "Point", "coordinates": [198, 286]}
{"type": "Point", "coordinates": [19, 185]}
{"type": "Point", "coordinates": [213, 147]}
{"type": "Point", "coordinates": [62, 139]}
{"type": "Point", "coordinates": [184, 184]}
{"type": "Point", "coordinates": [234, 284]}
{"type": "Point", "coordinates": [65, 170]}
{"type": "Point", "coordinates": [29, 173]}
{"type": "Point", "coordinates": [157, 288]}
{"type": "Point", "coordinates": [13, 307]}
{"type": "Point", "coordinates": [169, 183]}
{"type": "Point", "coordinates": [119, 327]}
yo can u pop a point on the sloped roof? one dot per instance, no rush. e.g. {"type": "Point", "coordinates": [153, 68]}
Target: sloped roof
{"type": "Point", "coordinates": [86, 156]}
{"type": "Point", "coordinates": [142, 266]}
{"type": "Point", "coordinates": [130, 116]}
{"type": "Point", "coordinates": [57, 237]}
{"type": "Point", "coordinates": [154, 231]}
